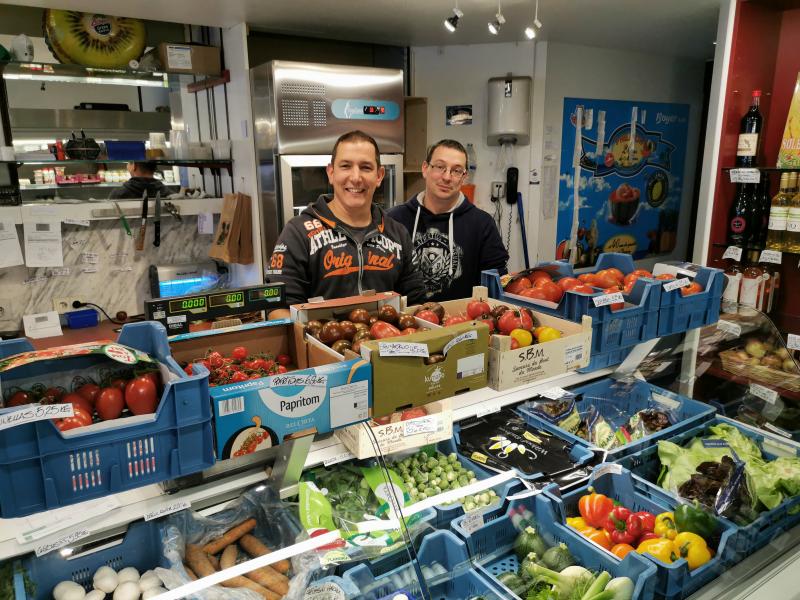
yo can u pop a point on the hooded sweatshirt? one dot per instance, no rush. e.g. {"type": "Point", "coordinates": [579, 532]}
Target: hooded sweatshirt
{"type": "Point", "coordinates": [452, 248]}
{"type": "Point", "coordinates": [317, 255]}
{"type": "Point", "coordinates": [135, 187]}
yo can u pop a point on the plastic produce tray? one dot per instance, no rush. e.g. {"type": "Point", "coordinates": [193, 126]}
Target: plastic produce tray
{"type": "Point", "coordinates": [631, 397]}
{"type": "Point", "coordinates": [680, 313]}
{"type": "Point", "coordinates": [41, 469]}
{"type": "Point", "coordinates": [673, 581]}
{"type": "Point", "coordinates": [140, 548]}
{"type": "Point", "coordinates": [646, 466]}
{"type": "Point", "coordinates": [606, 359]}
{"type": "Point", "coordinates": [460, 580]}
{"type": "Point", "coordinates": [491, 545]}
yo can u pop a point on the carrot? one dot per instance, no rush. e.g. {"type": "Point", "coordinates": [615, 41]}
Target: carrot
{"type": "Point", "coordinates": [214, 561]}
{"type": "Point", "coordinates": [229, 556]}
{"type": "Point", "coordinates": [199, 563]}
{"type": "Point", "coordinates": [230, 536]}
{"type": "Point", "coordinates": [253, 546]}
{"type": "Point", "coordinates": [270, 578]}
{"type": "Point", "coordinates": [190, 573]}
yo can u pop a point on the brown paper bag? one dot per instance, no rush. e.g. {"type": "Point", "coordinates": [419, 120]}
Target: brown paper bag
{"type": "Point", "coordinates": [233, 240]}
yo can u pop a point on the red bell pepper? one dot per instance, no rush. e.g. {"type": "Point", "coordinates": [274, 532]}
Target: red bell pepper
{"type": "Point", "coordinates": [648, 520]}
{"type": "Point", "coordinates": [623, 526]}
{"type": "Point", "coordinates": [648, 535]}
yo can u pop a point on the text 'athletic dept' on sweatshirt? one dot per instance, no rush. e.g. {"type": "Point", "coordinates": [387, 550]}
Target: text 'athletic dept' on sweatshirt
{"type": "Point", "coordinates": [452, 248]}
{"type": "Point", "coordinates": [316, 255]}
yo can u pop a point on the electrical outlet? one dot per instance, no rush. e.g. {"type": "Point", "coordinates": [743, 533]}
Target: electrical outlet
{"type": "Point", "coordinates": [498, 189]}
{"type": "Point", "coordinates": [63, 305]}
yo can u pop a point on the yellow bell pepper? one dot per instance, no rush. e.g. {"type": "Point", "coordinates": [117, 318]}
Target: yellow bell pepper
{"type": "Point", "coordinates": [665, 526]}
{"type": "Point", "coordinates": [693, 548]}
{"type": "Point", "coordinates": [577, 523]}
{"type": "Point", "coordinates": [663, 549]}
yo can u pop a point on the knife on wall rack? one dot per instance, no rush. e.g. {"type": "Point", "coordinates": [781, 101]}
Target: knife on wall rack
{"type": "Point", "coordinates": [157, 222]}
{"type": "Point", "coordinates": [143, 226]}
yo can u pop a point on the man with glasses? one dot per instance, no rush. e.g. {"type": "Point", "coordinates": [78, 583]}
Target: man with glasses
{"type": "Point", "coordinates": [453, 239]}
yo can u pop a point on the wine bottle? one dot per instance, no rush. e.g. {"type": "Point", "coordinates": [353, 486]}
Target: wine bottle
{"type": "Point", "coordinates": [750, 134]}
{"type": "Point", "coordinates": [792, 239]}
{"type": "Point", "coordinates": [778, 212]}
{"type": "Point", "coordinates": [740, 229]}
{"type": "Point", "coordinates": [750, 290]}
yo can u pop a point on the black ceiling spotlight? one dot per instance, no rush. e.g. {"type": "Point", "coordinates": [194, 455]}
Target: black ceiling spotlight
{"type": "Point", "coordinates": [499, 19]}
{"type": "Point", "coordinates": [451, 23]}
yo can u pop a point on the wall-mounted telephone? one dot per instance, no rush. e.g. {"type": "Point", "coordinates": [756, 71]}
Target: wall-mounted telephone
{"type": "Point", "coordinates": [512, 179]}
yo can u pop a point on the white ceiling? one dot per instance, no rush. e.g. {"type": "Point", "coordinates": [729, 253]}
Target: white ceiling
{"type": "Point", "coordinates": [674, 27]}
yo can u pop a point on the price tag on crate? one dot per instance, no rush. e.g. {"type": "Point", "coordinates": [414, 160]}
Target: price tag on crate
{"type": "Point", "coordinates": [733, 329]}
{"type": "Point", "coordinates": [467, 335]}
{"type": "Point", "coordinates": [64, 540]}
{"type": "Point", "coordinates": [607, 299]}
{"type": "Point", "coordinates": [79, 222]}
{"type": "Point", "coordinates": [793, 341]}
{"type": "Point", "coordinates": [341, 457]}
{"type": "Point", "coordinates": [472, 521]}
{"type": "Point", "coordinates": [427, 424]}
{"type": "Point", "coordinates": [605, 468]}
{"type": "Point", "coordinates": [403, 349]}
{"type": "Point", "coordinates": [745, 175]}
{"type": "Point", "coordinates": [733, 252]}
{"type": "Point", "coordinates": [771, 256]}
{"type": "Point", "coordinates": [488, 408]}
{"type": "Point", "coordinates": [676, 284]}
{"type": "Point", "coordinates": [763, 392]}
{"type": "Point", "coordinates": [167, 509]}
{"type": "Point", "coordinates": [32, 413]}
{"type": "Point", "coordinates": [554, 393]}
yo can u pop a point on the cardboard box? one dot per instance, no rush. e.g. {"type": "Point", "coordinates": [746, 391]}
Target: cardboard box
{"type": "Point", "coordinates": [190, 58]}
{"type": "Point", "coordinates": [511, 368]}
{"type": "Point", "coordinates": [256, 414]}
{"type": "Point", "coordinates": [398, 435]}
{"type": "Point", "coordinates": [789, 153]}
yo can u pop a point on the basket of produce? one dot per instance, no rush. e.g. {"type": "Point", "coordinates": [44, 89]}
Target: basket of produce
{"type": "Point", "coordinates": [136, 419]}
{"type": "Point", "coordinates": [523, 547]}
{"type": "Point", "coordinates": [344, 496]}
{"type": "Point", "coordinates": [619, 514]}
{"type": "Point", "coordinates": [762, 362]}
{"type": "Point", "coordinates": [124, 568]}
{"type": "Point", "coordinates": [616, 416]}
{"type": "Point", "coordinates": [256, 524]}
{"type": "Point", "coordinates": [747, 476]}
{"type": "Point", "coordinates": [445, 565]}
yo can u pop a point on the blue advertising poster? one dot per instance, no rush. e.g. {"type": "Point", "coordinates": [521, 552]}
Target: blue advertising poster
{"type": "Point", "coordinates": [629, 194]}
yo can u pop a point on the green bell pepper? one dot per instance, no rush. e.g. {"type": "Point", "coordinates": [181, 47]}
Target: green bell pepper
{"type": "Point", "coordinates": [693, 518]}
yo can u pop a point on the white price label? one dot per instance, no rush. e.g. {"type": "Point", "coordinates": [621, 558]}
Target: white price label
{"type": "Point", "coordinates": [341, 457]}
{"type": "Point", "coordinates": [81, 222]}
{"type": "Point", "coordinates": [39, 412]}
{"type": "Point", "coordinates": [765, 393]}
{"type": "Point", "coordinates": [554, 393]}
{"type": "Point", "coordinates": [664, 400]}
{"type": "Point", "coordinates": [467, 335]}
{"type": "Point", "coordinates": [613, 468]}
{"type": "Point", "coordinates": [34, 280]}
{"type": "Point", "coordinates": [89, 270]}
{"type": "Point", "coordinates": [793, 341]}
{"type": "Point", "coordinates": [403, 349]}
{"type": "Point", "coordinates": [607, 299]}
{"type": "Point", "coordinates": [676, 284]}
{"type": "Point", "coordinates": [733, 329]}
{"type": "Point", "coordinates": [427, 424]}
{"type": "Point", "coordinates": [472, 521]}
{"type": "Point", "coordinates": [89, 258]}
{"type": "Point", "coordinates": [59, 272]}
{"type": "Point", "coordinates": [64, 540]}
{"type": "Point", "coordinates": [745, 175]}
{"type": "Point", "coordinates": [168, 509]}
{"type": "Point", "coordinates": [733, 252]}
{"type": "Point", "coordinates": [488, 408]}
{"type": "Point", "coordinates": [771, 256]}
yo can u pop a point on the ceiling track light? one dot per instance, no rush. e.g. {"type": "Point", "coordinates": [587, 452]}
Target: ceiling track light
{"type": "Point", "coordinates": [499, 20]}
{"type": "Point", "coordinates": [451, 23]}
{"type": "Point", "coordinates": [530, 30]}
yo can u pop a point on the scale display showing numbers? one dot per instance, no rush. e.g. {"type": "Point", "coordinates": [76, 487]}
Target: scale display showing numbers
{"type": "Point", "coordinates": [183, 314]}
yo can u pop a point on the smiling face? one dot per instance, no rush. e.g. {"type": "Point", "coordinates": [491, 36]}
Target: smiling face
{"type": "Point", "coordinates": [354, 175]}
{"type": "Point", "coordinates": [442, 186]}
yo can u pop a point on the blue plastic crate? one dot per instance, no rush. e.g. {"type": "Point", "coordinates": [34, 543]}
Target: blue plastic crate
{"type": "Point", "coordinates": [491, 546]}
{"type": "Point", "coordinates": [646, 466]}
{"type": "Point", "coordinates": [460, 581]}
{"type": "Point", "coordinates": [631, 397]}
{"type": "Point", "coordinates": [606, 359]}
{"type": "Point", "coordinates": [140, 548]}
{"type": "Point", "coordinates": [42, 469]}
{"type": "Point", "coordinates": [120, 150]}
{"type": "Point", "coordinates": [579, 454]}
{"type": "Point", "coordinates": [679, 313]}
{"type": "Point", "coordinates": [673, 581]}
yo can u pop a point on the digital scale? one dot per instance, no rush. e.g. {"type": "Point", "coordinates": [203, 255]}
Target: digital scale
{"type": "Point", "coordinates": [198, 312]}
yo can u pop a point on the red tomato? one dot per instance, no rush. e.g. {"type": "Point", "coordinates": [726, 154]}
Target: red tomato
{"type": "Point", "coordinates": [89, 391]}
{"type": "Point", "coordinates": [537, 276]}
{"type": "Point", "coordinates": [535, 293]}
{"type": "Point", "coordinates": [616, 305]}
{"type": "Point", "coordinates": [282, 369]}
{"type": "Point", "coordinates": [643, 273]}
{"type": "Point", "coordinates": [514, 344]}
{"type": "Point", "coordinates": [551, 290]}
{"type": "Point", "coordinates": [109, 403]}
{"type": "Point", "coordinates": [250, 365]}
{"type": "Point", "coordinates": [215, 360]}
{"type": "Point", "coordinates": [605, 281]}
{"type": "Point", "coordinates": [188, 369]}
{"type": "Point", "coordinates": [52, 395]}
{"type": "Point", "coordinates": [413, 413]}
{"type": "Point", "coordinates": [427, 315]}
{"type": "Point", "coordinates": [665, 277]}
{"type": "Point", "coordinates": [264, 365]}
{"type": "Point", "coordinates": [408, 331]}
{"type": "Point", "coordinates": [630, 278]}
{"type": "Point", "coordinates": [284, 359]}
{"type": "Point", "coordinates": [628, 287]}
{"type": "Point", "coordinates": [385, 420]}
{"type": "Point", "coordinates": [155, 377]}
{"type": "Point", "coordinates": [476, 308]}
{"type": "Point", "coordinates": [515, 319]}
{"type": "Point", "coordinates": [490, 322]}
{"type": "Point", "coordinates": [615, 273]}
{"type": "Point", "coordinates": [382, 329]}
{"type": "Point", "coordinates": [78, 401]}
{"type": "Point", "coordinates": [80, 418]}
{"type": "Point", "coordinates": [583, 289]}
{"type": "Point", "coordinates": [140, 396]}
{"type": "Point", "coordinates": [235, 378]}
{"type": "Point", "coordinates": [567, 283]}
{"type": "Point", "coordinates": [455, 320]}
{"type": "Point", "coordinates": [19, 398]}
{"type": "Point", "coordinates": [120, 383]}
{"type": "Point", "coordinates": [691, 289]}
{"type": "Point", "coordinates": [239, 353]}
{"type": "Point", "coordinates": [517, 285]}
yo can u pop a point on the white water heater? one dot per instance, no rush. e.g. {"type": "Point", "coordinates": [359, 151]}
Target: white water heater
{"type": "Point", "coordinates": [509, 110]}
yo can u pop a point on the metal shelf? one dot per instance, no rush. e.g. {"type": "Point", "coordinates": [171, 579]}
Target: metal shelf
{"type": "Point", "coordinates": [103, 210]}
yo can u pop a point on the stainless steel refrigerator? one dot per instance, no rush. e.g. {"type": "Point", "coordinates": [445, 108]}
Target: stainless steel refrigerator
{"type": "Point", "coordinates": [300, 109]}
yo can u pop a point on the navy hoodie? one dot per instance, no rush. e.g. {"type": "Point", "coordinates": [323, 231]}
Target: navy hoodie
{"type": "Point", "coordinates": [451, 249]}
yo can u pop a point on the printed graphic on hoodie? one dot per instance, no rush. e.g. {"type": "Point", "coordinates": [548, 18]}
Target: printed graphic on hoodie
{"type": "Point", "coordinates": [432, 254]}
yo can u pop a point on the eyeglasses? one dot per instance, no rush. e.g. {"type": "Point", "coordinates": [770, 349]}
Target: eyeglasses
{"type": "Point", "coordinates": [440, 169]}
